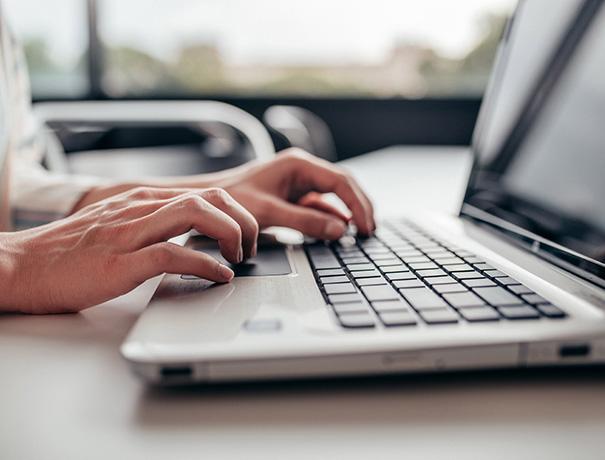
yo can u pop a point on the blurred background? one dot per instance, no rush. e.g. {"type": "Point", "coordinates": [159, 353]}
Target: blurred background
{"type": "Point", "coordinates": [375, 72]}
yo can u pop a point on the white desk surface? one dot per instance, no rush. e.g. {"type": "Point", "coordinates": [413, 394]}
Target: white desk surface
{"type": "Point", "coordinates": [65, 393]}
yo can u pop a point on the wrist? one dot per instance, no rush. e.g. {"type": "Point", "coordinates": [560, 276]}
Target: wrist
{"type": "Point", "coordinates": [8, 272]}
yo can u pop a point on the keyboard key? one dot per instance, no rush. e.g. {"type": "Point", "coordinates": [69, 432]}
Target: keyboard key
{"type": "Point", "coordinates": [468, 275]}
{"type": "Point", "coordinates": [427, 273]}
{"type": "Point", "coordinates": [498, 296]}
{"type": "Point", "coordinates": [360, 267]}
{"type": "Point", "coordinates": [495, 273]}
{"type": "Point", "coordinates": [520, 289]}
{"type": "Point", "coordinates": [479, 282]}
{"type": "Point", "coordinates": [356, 307]}
{"type": "Point", "coordinates": [428, 245]}
{"type": "Point", "coordinates": [444, 255]}
{"type": "Point", "coordinates": [439, 316]}
{"type": "Point", "coordinates": [483, 266]}
{"type": "Point", "coordinates": [463, 299]}
{"type": "Point", "coordinates": [388, 262]}
{"type": "Point", "coordinates": [371, 281]}
{"type": "Point", "coordinates": [395, 268]}
{"type": "Point", "coordinates": [450, 261]}
{"type": "Point", "coordinates": [356, 320]}
{"type": "Point", "coordinates": [334, 279]}
{"type": "Point", "coordinates": [377, 250]}
{"type": "Point", "coordinates": [376, 293]}
{"type": "Point", "coordinates": [443, 288]}
{"type": "Point", "coordinates": [423, 298]}
{"type": "Point", "coordinates": [365, 274]}
{"type": "Point", "coordinates": [379, 257]}
{"type": "Point", "coordinates": [411, 254]}
{"type": "Point", "coordinates": [401, 276]}
{"type": "Point", "coordinates": [550, 311]}
{"type": "Point", "coordinates": [523, 312]}
{"type": "Point", "coordinates": [371, 243]}
{"type": "Point", "coordinates": [408, 284]}
{"type": "Point", "coordinates": [345, 298]}
{"type": "Point", "coordinates": [423, 265]}
{"type": "Point", "coordinates": [391, 305]}
{"type": "Point", "coordinates": [395, 318]}
{"type": "Point", "coordinates": [331, 272]}
{"type": "Point", "coordinates": [342, 288]}
{"type": "Point", "coordinates": [459, 268]}
{"type": "Point", "coordinates": [534, 299]}
{"type": "Point", "coordinates": [473, 260]}
{"type": "Point", "coordinates": [402, 247]}
{"type": "Point", "coordinates": [351, 254]}
{"type": "Point", "coordinates": [355, 260]}
{"type": "Point", "coordinates": [440, 280]}
{"type": "Point", "coordinates": [507, 281]}
{"type": "Point", "coordinates": [349, 249]}
{"type": "Point", "coordinates": [415, 259]}
{"type": "Point", "coordinates": [434, 250]}
{"type": "Point", "coordinates": [322, 258]}
{"type": "Point", "coordinates": [477, 314]}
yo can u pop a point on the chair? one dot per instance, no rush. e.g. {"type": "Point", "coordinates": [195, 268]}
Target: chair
{"type": "Point", "coordinates": [224, 126]}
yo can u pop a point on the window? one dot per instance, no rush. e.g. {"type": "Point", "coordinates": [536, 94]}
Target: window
{"type": "Point", "coordinates": [54, 35]}
{"type": "Point", "coordinates": [280, 48]}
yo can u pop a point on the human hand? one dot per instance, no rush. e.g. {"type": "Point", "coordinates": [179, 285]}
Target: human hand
{"type": "Point", "coordinates": [109, 248]}
{"type": "Point", "coordinates": [288, 192]}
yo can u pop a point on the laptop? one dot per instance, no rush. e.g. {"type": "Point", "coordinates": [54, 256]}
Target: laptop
{"type": "Point", "coordinates": [516, 279]}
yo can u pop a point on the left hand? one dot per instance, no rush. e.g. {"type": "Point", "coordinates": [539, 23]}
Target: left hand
{"type": "Point", "coordinates": [288, 192]}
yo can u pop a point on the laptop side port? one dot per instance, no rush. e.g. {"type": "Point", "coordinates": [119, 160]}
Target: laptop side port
{"type": "Point", "coordinates": [579, 350]}
{"type": "Point", "coordinates": [176, 374]}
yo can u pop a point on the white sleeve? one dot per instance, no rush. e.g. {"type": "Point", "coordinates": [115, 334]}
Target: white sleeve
{"type": "Point", "coordinates": [37, 196]}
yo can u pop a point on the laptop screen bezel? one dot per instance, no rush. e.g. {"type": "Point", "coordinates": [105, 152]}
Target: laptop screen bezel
{"type": "Point", "coordinates": [583, 266]}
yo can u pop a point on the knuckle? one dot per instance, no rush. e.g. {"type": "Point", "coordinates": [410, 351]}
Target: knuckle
{"type": "Point", "coordinates": [193, 201]}
{"type": "Point", "coordinates": [141, 193]}
{"type": "Point", "coordinates": [296, 155]}
{"type": "Point", "coordinates": [217, 194]}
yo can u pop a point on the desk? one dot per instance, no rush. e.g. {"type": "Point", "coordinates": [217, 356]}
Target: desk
{"type": "Point", "coordinates": [66, 394]}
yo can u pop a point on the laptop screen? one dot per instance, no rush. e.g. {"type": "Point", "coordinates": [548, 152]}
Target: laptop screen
{"type": "Point", "coordinates": [532, 36]}
{"type": "Point", "coordinates": [548, 191]}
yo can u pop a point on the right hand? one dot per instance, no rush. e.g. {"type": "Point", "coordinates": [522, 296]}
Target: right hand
{"type": "Point", "coordinates": [109, 248]}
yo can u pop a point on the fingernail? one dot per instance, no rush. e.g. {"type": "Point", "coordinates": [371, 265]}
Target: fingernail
{"type": "Point", "coordinates": [255, 250]}
{"type": "Point", "coordinates": [335, 229]}
{"type": "Point", "coordinates": [226, 272]}
{"type": "Point", "coordinates": [240, 256]}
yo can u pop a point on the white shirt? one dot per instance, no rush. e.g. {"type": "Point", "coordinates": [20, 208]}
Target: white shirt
{"type": "Point", "coordinates": [29, 194]}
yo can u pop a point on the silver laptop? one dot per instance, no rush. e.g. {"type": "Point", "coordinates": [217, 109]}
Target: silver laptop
{"type": "Point", "coordinates": [517, 279]}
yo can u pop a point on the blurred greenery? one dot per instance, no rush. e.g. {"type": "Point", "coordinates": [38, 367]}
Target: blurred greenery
{"type": "Point", "coordinates": [411, 70]}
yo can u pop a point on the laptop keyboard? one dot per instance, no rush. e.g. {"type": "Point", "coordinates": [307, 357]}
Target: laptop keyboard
{"type": "Point", "coordinates": [402, 277]}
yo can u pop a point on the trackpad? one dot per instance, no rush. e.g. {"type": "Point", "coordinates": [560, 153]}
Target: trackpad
{"type": "Point", "coordinates": [271, 259]}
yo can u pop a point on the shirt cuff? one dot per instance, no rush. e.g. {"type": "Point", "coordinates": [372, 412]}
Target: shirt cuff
{"type": "Point", "coordinates": [39, 197]}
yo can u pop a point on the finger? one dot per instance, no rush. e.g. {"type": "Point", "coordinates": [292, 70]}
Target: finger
{"type": "Point", "coordinates": [323, 177]}
{"type": "Point", "coordinates": [311, 222]}
{"type": "Point", "coordinates": [165, 257]}
{"type": "Point", "coordinates": [187, 212]}
{"type": "Point", "coordinates": [217, 197]}
{"type": "Point", "coordinates": [315, 201]}
{"type": "Point", "coordinates": [248, 224]}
